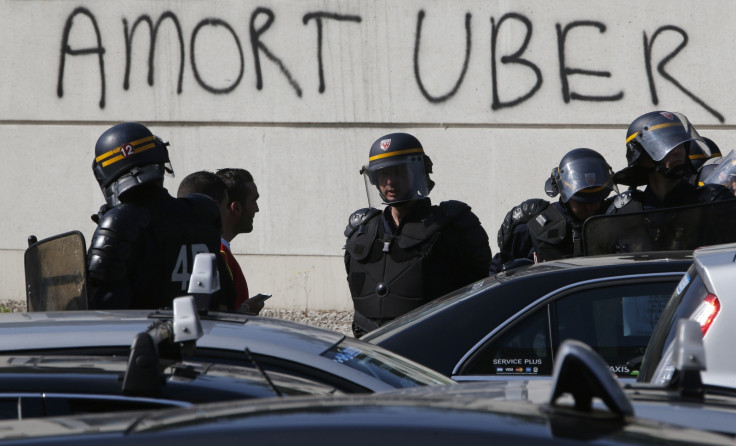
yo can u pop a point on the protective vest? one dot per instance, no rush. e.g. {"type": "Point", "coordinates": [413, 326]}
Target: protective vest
{"type": "Point", "coordinates": [390, 275]}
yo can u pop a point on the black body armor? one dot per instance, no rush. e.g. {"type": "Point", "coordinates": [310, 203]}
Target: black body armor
{"type": "Point", "coordinates": [555, 234]}
{"type": "Point", "coordinates": [142, 252]}
{"type": "Point", "coordinates": [437, 249]}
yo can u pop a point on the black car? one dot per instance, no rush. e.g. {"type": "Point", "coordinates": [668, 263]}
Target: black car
{"type": "Point", "coordinates": [511, 324]}
{"type": "Point", "coordinates": [585, 406]}
{"type": "Point", "coordinates": [88, 362]}
{"type": "Point", "coordinates": [91, 361]}
{"type": "Point", "coordinates": [42, 386]}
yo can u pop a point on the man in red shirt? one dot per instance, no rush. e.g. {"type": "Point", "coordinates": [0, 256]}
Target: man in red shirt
{"type": "Point", "coordinates": [241, 210]}
{"type": "Point", "coordinates": [236, 213]}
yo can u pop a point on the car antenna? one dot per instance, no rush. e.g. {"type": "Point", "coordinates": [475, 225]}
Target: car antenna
{"type": "Point", "coordinates": [263, 372]}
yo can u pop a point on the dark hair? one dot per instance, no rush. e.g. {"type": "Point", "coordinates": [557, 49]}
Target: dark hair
{"type": "Point", "coordinates": [237, 181]}
{"type": "Point", "coordinates": [203, 182]}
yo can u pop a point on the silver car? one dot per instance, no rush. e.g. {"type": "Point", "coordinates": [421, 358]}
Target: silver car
{"type": "Point", "coordinates": [706, 294]}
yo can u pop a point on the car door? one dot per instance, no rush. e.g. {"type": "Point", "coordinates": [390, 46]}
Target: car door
{"type": "Point", "coordinates": [615, 316]}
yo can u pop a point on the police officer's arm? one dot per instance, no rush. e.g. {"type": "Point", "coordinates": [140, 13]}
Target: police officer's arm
{"type": "Point", "coordinates": [473, 250]}
{"type": "Point", "coordinates": [111, 252]}
{"type": "Point", "coordinates": [519, 214]}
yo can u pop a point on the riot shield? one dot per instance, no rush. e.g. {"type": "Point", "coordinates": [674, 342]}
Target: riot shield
{"type": "Point", "coordinates": [56, 278]}
{"type": "Point", "coordinates": [669, 229]}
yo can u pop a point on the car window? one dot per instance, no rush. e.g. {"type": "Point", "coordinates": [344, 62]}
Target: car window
{"type": "Point", "coordinates": [617, 320]}
{"type": "Point", "coordinates": [522, 350]}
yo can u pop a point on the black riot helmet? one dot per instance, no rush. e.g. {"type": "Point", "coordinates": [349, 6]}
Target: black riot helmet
{"type": "Point", "coordinates": [698, 157]}
{"type": "Point", "coordinates": [649, 139]}
{"type": "Point", "coordinates": [127, 156]}
{"type": "Point", "coordinates": [583, 175]}
{"type": "Point", "coordinates": [397, 171]}
{"type": "Point", "coordinates": [722, 171]}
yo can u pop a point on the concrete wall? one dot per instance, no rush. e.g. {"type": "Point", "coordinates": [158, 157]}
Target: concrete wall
{"type": "Point", "coordinates": [296, 91]}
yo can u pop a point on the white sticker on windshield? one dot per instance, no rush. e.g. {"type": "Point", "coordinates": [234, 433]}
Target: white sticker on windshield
{"type": "Point", "coordinates": [684, 282]}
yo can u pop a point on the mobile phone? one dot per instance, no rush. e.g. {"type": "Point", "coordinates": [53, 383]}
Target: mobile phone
{"type": "Point", "coordinates": [247, 305]}
{"type": "Point", "coordinates": [260, 297]}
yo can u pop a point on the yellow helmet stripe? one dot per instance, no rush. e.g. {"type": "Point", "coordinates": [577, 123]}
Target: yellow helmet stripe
{"type": "Point", "coordinates": [698, 156]}
{"type": "Point", "coordinates": [119, 157]}
{"type": "Point", "coordinates": [117, 149]}
{"type": "Point", "coordinates": [399, 152]}
{"type": "Point", "coordinates": [655, 127]}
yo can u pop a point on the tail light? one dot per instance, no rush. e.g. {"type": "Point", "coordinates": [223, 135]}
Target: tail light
{"type": "Point", "coordinates": [706, 312]}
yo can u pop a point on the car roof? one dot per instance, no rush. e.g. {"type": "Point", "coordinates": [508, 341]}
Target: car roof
{"type": "Point", "coordinates": [594, 266]}
{"type": "Point", "coordinates": [235, 334]}
{"type": "Point", "coordinates": [472, 312]}
{"type": "Point", "coordinates": [714, 413]}
{"type": "Point", "coordinates": [79, 329]}
{"type": "Point", "coordinates": [436, 417]}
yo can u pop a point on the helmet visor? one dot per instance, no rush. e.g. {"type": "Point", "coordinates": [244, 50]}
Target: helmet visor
{"type": "Point", "coordinates": [587, 180]}
{"type": "Point", "coordinates": [396, 181]}
{"type": "Point", "coordinates": [725, 173]}
{"type": "Point", "coordinates": [665, 132]}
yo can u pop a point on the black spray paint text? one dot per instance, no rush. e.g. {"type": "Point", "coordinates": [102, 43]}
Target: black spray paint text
{"type": "Point", "coordinates": [262, 18]}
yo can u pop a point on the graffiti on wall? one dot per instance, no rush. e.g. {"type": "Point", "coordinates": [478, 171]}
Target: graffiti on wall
{"type": "Point", "coordinates": [262, 18]}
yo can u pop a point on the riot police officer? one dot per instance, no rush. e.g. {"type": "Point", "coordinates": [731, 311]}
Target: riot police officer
{"type": "Point", "coordinates": [540, 231]}
{"type": "Point", "coordinates": [411, 252]}
{"type": "Point", "coordinates": [143, 249]}
{"type": "Point", "coordinates": [699, 159]}
{"type": "Point", "coordinates": [657, 151]}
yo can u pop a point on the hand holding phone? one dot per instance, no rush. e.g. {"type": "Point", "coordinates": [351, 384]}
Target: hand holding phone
{"type": "Point", "coordinates": [255, 304]}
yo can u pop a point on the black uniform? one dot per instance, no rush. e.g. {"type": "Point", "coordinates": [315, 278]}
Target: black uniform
{"type": "Point", "coordinates": [539, 231]}
{"type": "Point", "coordinates": [435, 250]}
{"type": "Point", "coordinates": [142, 252]}
{"type": "Point", "coordinates": [682, 195]}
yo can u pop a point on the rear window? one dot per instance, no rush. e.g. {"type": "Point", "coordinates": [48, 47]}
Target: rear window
{"type": "Point", "coordinates": [688, 295]}
{"type": "Point", "coordinates": [384, 365]}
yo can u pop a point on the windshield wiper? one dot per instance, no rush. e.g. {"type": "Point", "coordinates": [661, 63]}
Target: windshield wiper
{"type": "Point", "coordinates": [263, 372]}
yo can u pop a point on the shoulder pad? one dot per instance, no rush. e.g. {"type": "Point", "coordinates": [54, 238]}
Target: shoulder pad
{"type": "Point", "coordinates": [454, 208]}
{"type": "Point", "coordinates": [202, 205]}
{"type": "Point", "coordinates": [125, 220]}
{"type": "Point", "coordinates": [528, 209]}
{"type": "Point", "coordinates": [358, 218]}
{"type": "Point", "coordinates": [519, 214]}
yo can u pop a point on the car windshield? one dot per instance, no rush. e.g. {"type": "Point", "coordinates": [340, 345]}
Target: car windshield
{"type": "Point", "coordinates": [688, 295]}
{"type": "Point", "coordinates": [384, 365]}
